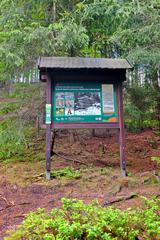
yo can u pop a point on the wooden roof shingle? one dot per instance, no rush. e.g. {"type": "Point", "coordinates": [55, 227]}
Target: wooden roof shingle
{"type": "Point", "coordinates": [82, 63]}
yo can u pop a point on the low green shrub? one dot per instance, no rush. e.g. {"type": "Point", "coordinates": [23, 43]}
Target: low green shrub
{"type": "Point", "coordinates": [67, 172]}
{"type": "Point", "coordinates": [18, 141]}
{"type": "Point", "coordinates": [18, 135]}
{"type": "Point", "coordinates": [76, 220]}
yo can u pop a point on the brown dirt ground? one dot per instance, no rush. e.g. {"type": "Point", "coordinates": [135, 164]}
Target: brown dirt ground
{"type": "Point", "coordinates": [23, 187]}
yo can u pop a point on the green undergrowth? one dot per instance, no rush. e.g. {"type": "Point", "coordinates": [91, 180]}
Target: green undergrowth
{"type": "Point", "coordinates": [11, 139]}
{"type": "Point", "coordinates": [67, 172]}
{"type": "Point", "coordinates": [133, 125]}
{"type": "Point", "coordinates": [76, 220]}
{"type": "Point", "coordinates": [9, 107]}
{"type": "Point", "coordinates": [19, 142]}
{"type": "Point", "coordinates": [71, 173]}
{"type": "Point", "coordinates": [19, 139]}
{"type": "Point", "coordinates": [23, 91]}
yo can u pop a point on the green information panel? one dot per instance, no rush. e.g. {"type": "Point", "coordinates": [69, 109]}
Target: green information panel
{"type": "Point", "coordinates": [84, 102]}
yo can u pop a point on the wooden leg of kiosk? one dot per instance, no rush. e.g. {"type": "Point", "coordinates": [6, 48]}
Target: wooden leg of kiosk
{"type": "Point", "coordinates": [48, 132]}
{"type": "Point", "coordinates": [121, 132]}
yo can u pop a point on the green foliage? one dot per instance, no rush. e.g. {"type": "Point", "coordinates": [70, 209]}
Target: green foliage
{"type": "Point", "coordinates": [8, 107]}
{"type": "Point", "coordinates": [132, 117]}
{"type": "Point", "coordinates": [67, 172]}
{"type": "Point", "coordinates": [140, 108]}
{"type": "Point", "coordinates": [11, 139]}
{"type": "Point", "coordinates": [71, 39]}
{"type": "Point", "coordinates": [18, 133]}
{"type": "Point", "coordinates": [107, 28]}
{"type": "Point", "coordinates": [76, 220]}
{"type": "Point", "coordinates": [24, 91]}
{"type": "Point", "coordinates": [157, 159]}
{"type": "Point", "coordinates": [17, 141]}
{"type": "Point", "coordinates": [20, 31]}
{"type": "Point", "coordinates": [140, 31]}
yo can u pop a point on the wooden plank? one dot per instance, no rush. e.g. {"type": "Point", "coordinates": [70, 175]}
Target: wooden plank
{"type": "Point", "coordinates": [48, 131]}
{"type": "Point", "coordinates": [106, 76]}
{"type": "Point", "coordinates": [121, 130]}
{"type": "Point", "coordinates": [84, 125]}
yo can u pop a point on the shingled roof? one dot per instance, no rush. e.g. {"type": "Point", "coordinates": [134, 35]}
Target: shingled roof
{"type": "Point", "coordinates": [82, 63]}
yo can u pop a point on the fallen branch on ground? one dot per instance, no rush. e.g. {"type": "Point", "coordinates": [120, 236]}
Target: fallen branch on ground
{"type": "Point", "coordinates": [20, 216]}
{"type": "Point", "coordinates": [38, 175]}
{"type": "Point", "coordinates": [69, 159]}
{"type": "Point", "coordinates": [23, 203]}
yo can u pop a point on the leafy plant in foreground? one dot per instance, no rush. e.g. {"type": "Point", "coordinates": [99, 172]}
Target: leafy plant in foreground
{"type": "Point", "coordinates": [76, 220]}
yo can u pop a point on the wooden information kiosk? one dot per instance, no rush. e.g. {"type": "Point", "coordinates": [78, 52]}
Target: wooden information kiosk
{"type": "Point", "coordinates": [83, 93]}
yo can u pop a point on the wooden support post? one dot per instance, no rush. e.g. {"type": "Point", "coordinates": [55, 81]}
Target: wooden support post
{"type": "Point", "coordinates": [48, 131]}
{"type": "Point", "coordinates": [121, 130]}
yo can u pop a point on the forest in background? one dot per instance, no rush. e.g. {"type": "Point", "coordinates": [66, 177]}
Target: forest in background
{"type": "Point", "coordinates": [100, 28]}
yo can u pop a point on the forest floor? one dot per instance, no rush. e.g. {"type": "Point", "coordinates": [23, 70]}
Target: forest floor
{"type": "Point", "coordinates": [23, 187]}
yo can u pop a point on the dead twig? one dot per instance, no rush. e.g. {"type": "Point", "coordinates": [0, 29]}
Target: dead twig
{"type": "Point", "coordinates": [5, 200]}
{"type": "Point", "coordinates": [69, 159]}
{"type": "Point", "coordinates": [38, 175]}
{"type": "Point", "coordinates": [23, 203]}
{"type": "Point", "coordinates": [35, 176]}
{"type": "Point", "coordinates": [20, 216]}
{"type": "Point", "coordinates": [8, 203]}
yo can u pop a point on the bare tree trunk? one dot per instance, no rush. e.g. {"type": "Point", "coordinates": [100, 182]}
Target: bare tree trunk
{"type": "Point", "coordinates": [54, 11]}
{"type": "Point", "coordinates": [155, 81]}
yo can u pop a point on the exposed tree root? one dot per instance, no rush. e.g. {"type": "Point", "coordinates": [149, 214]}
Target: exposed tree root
{"type": "Point", "coordinates": [8, 203]}
{"type": "Point", "coordinates": [119, 199]}
{"type": "Point", "coordinates": [12, 204]}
